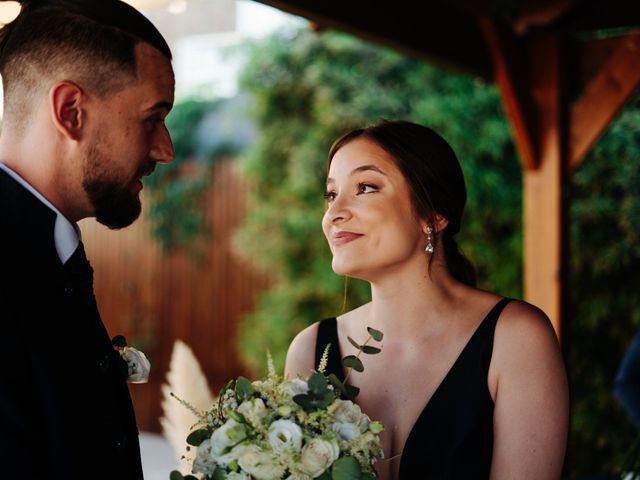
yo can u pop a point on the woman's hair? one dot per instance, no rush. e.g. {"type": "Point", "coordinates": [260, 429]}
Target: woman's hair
{"type": "Point", "coordinates": [435, 180]}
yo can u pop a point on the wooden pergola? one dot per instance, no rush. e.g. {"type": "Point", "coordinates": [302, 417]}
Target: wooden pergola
{"type": "Point", "coordinates": [564, 69]}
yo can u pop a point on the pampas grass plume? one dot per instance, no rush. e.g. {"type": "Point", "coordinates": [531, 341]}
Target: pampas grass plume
{"type": "Point", "coordinates": [186, 380]}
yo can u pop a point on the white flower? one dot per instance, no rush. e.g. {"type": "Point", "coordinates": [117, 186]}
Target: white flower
{"type": "Point", "coordinates": [285, 435]}
{"type": "Point", "coordinates": [204, 462]}
{"type": "Point", "coordinates": [345, 411]}
{"type": "Point", "coordinates": [254, 410]}
{"type": "Point", "coordinates": [224, 439]}
{"type": "Point", "coordinates": [260, 464]}
{"type": "Point", "coordinates": [346, 431]}
{"type": "Point", "coordinates": [296, 386]}
{"type": "Point", "coordinates": [137, 363]}
{"type": "Point", "coordinates": [318, 455]}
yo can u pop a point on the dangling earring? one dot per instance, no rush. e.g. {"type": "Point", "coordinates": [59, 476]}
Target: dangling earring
{"type": "Point", "coordinates": [429, 247]}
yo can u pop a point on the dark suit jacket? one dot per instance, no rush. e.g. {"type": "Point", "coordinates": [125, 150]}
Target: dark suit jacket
{"type": "Point", "coordinates": [65, 409]}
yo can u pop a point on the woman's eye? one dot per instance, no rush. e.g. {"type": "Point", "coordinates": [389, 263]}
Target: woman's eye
{"type": "Point", "coordinates": [366, 188]}
{"type": "Point", "coordinates": [329, 196]}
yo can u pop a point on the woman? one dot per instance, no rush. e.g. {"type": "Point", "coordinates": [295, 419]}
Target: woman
{"type": "Point", "coordinates": [468, 384]}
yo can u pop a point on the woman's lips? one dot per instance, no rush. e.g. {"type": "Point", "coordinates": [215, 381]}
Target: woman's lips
{"type": "Point", "coordinates": [341, 238]}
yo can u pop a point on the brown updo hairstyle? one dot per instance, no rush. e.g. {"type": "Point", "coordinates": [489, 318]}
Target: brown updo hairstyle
{"type": "Point", "coordinates": [434, 176]}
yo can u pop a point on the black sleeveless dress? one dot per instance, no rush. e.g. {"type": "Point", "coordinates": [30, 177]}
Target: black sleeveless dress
{"type": "Point", "coordinates": [453, 436]}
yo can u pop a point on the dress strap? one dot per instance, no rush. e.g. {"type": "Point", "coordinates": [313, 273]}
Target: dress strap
{"type": "Point", "coordinates": [328, 334]}
{"type": "Point", "coordinates": [487, 331]}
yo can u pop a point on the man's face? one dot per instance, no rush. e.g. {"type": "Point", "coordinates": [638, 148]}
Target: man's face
{"type": "Point", "coordinates": [127, 138]}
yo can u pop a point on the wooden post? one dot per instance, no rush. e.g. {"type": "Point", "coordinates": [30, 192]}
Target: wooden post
{"type": "Point", "coordinates": [531, 88]}
{"type": "Point", "coordinates": [543, 203]}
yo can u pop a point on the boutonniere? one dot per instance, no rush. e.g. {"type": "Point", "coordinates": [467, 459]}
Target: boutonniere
{"type": "Point", "coordinates": [138, 366]}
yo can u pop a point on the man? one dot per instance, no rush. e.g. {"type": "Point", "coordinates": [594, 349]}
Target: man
{"type": "Point", "coordinates": [87, 85]}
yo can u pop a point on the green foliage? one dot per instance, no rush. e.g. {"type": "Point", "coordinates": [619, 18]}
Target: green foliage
{"type": "Point", "coordinates": [307, 90]}
{"type": "Point", "coordinates": [177, 188]}
{"type": "Point", "coordinates": [603, 288]}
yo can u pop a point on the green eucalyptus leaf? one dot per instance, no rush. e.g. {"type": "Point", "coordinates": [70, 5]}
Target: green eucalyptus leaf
{"type": "Point", "coordinates": [304, 401]}
{"type": "Point", "coordinates": [335, 381]}
{"type": "Point", "coordinates": [196, 437]}
{"type": "Point", "coordinates": [351, 391]}
{"type": "Point", "coordinates": [368, 476]}
{"type": "Point", "coordinates": [354, 343]}
{"type": "Point", "coordinates": [346, 468]}
{"type": "Point", "coordinates": [190, 477]}
{"type": "Point", "coordinates": [318, 384]}
{"type": "Point", "coordinates": [377, 335]}
{"type": "Point", "coordinates": [351, 361]}
{"type": "Point", "coordinates": [244, 389]}
{"type": "Point", "coordinates": [175, 475]}
{"type": "Point", "coordinates": [370, 350]}
{"type": "Point", "coordinates": [326, 475]}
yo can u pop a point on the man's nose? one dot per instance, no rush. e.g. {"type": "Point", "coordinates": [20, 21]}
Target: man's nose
{"type": "Point", "coordinates": [162, 147]}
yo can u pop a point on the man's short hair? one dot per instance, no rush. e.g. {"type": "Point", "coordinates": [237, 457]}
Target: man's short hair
{"type": "Point", "coordinates": [91, 42]}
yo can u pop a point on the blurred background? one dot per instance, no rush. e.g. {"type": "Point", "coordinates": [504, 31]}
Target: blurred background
{"type": "Point", "coordinates": [229, 256]}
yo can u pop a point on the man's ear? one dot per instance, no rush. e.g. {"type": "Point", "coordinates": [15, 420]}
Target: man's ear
{"type": "Point", "coordinates": [66, 101]}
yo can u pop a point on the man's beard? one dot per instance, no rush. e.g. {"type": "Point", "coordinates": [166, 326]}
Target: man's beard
{"type": "Point", "coordinates": [115, 204]}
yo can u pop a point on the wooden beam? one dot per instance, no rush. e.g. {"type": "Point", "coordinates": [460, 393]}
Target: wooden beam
{"type": "Point", "coordinates": [439, 33]}
{"type": "Point", "coordinates": [543, 202]}
{"type": "Point", "coordinates": [603, 97]}
{"type": "Point", "coordinates": [510, 76]}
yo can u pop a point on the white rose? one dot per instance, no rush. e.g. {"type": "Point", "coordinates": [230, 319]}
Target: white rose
{"type": "Point", "coordinates": [296, 386]}
{"type": "Point", "coordinates": [254, 410]}
{"type": "Point", "coordinates": [204, 462]}
{"type": "Point", "coordinates": [224, 439]}
{"type": "Point", "coordinates": [318, 455]}
{"type": "Point", "coordinates": [285, 435]}
{"type": "Point", "coordinates": [260, 464]}
{"type": "Point", "coordinates": [345, 411]}
{"type": "Point", "coordinates": [137, 363]}
{"type": "Point", "coordinates": [346, 431]}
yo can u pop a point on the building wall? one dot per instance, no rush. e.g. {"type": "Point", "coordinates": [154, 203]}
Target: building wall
{"type": "Point", "coordinates": [154, 298]}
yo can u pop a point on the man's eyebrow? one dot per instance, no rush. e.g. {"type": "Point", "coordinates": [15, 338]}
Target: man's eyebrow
{"type": "Point", "coordinates": [161, 105]}
{"type": "Point", "coordinates": [361, 168]}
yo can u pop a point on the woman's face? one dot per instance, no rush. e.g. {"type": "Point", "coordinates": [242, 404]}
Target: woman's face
{"type": "Point", "coordinates": [370, 222]}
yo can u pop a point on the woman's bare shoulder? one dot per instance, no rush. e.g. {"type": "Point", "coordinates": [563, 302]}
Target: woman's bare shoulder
{"type": "Point", "coordinates": [520, 319]}
{"type": "Point", "coordinates": [301, 353]}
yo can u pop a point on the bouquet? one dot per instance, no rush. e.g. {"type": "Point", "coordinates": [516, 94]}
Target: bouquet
{"type": "Point", "coordinates": [293, 429]}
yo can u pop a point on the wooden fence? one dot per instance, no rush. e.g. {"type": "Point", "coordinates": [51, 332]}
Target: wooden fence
{"type": "Point", "coordinates": [154, 298]}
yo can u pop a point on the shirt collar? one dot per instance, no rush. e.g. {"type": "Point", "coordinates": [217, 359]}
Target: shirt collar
{"type": "Point", "coordinates": [66, 235]}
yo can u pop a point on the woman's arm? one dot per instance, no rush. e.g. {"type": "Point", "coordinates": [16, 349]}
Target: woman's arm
{"type": "Point", "coordinates": [301, 353]}
{"type": "Point", "coordinates": [531, 399]}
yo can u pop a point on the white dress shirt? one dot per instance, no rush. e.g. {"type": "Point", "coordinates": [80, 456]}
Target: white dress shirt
{"type": "Point", "coordinates": [65, 234]}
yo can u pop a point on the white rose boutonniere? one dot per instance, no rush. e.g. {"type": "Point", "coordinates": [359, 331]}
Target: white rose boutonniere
{"type": "Point", "coordinates": [138, 366]}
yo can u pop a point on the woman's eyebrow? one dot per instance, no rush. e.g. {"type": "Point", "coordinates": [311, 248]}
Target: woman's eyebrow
{"type": "Point", "coordinates": [361, 168]}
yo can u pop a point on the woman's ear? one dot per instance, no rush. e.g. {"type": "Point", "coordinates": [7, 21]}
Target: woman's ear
{"type": "Point", "coordinates": [440, 223]}
{"type": "Point", "coordinates": [66, 106]}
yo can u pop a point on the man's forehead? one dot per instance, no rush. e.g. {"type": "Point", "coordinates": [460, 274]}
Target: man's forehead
{"type": "Point", "coordinates": [154, 71]}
